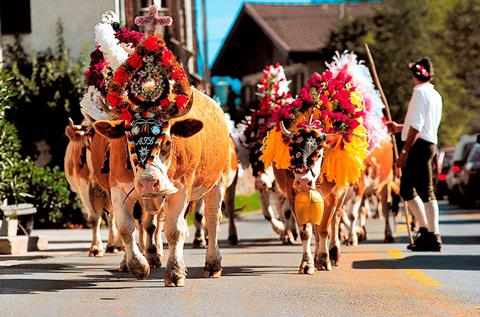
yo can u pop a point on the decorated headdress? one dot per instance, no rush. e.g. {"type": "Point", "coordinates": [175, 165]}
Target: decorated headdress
{"type": "Point", "coordinates": [274, 95]}
{"type": "Point", "coordinates": [332, 103]}
{"type": "Point", "coordinates": [373, 117]}
{"type": "Point", "coordinates": [144, 85]}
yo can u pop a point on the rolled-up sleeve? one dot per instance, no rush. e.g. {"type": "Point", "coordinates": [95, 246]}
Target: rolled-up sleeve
{"type": "Point", "coordinates": [418, 110]}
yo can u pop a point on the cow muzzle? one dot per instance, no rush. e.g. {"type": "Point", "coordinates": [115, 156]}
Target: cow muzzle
{"type": "Point", "coordinates": [151, 188]}
{"type": "Point", "coordinates": [303, 183]}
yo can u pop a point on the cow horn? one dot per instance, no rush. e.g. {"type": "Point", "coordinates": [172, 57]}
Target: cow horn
{"type": "Point", "coordinates": [74, 126]}
{"type": "Point", "coordinates": [285, 131]}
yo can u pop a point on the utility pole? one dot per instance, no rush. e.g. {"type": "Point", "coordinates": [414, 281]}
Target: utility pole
{"type": "Point", "coordinates": [206, 69]}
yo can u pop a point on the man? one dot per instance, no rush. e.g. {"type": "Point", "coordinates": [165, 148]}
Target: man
{"type": "Point", "coordinates": [419, 134]}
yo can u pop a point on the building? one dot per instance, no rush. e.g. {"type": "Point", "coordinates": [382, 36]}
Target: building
{"type": "Point", "coordinates": [35, 22]}
{"type": "Point", "coordinates": [291, 35]}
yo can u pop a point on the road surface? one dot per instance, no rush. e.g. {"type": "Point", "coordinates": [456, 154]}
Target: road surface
{"type": "Point", "coordinates": [259, 279]}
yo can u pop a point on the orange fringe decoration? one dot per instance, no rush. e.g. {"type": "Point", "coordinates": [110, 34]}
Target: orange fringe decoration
{"type": "Point", "coordinates": [344, 164]}
{"type": "Point", "coordinates": [275, 150]}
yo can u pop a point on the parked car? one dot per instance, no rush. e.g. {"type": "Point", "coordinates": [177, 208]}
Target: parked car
{"type": "Point", "coordinates": [442, 166]}
{"type": "Point", "coordinates": [457, 169]}
{"type": "Point", "coordinates": [469, 185]}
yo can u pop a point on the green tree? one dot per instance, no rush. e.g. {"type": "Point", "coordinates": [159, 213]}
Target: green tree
{"type": "Point", "coordinates": [401, 32]}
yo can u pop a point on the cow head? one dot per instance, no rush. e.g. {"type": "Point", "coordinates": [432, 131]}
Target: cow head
{"type": "Point", "coordinates": [75, 132]}
{"type": "Point", "coordinates": [151, 146]}
{"type": "Point", "coordinates": [306, 150]}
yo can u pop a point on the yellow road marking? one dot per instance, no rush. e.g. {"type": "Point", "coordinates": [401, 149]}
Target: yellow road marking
{"type": "Point", "coordinates": [415, 274]}
{"type": "Point", "coordinates": [401, 228]}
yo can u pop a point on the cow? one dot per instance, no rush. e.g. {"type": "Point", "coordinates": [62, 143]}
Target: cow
{"type": "Point", "coordinates": [192, 163]}
{"type": "Point", "coordinates": [91, 186]}
{"type": "Point", "coordinates": [292, 182]}
{"type": "Point", "coordinates": [376, 180]}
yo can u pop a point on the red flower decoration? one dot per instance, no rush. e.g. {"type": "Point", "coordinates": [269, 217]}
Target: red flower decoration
{"type": "Point", "coordinates": [126, 116]}
{"type": "Point", "coordinates": [167, 57]}
{"type": "Point", "coordinates": [181, 101]}
{"type": "Point", "coordinates": [164, 103]}
{"type": "Point", "coordinates": [114, 99]}
{"type": "Point", "coordinates": [179, 74]}
{"type": "Point", "coordinates": [121, 76]}
{"type": "Point", "coordinates": [135, 61]}
{"type": "Point", "coordinates": [151, 43]}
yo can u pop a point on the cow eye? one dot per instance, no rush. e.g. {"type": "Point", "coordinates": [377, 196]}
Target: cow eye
{"type": "Point", "coordinates": [136, 130]}
{"type": "Point", "coordinates": [155, 130]}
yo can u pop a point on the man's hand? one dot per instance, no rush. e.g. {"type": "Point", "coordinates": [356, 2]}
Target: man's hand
{"type": "Point", "coordinates": [393, 127]}
{"type": "Point", "coordinates": [402, 160]}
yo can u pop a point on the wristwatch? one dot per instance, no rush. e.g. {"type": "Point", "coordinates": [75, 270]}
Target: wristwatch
{"type": "Point", "coordinates": [404, 151]}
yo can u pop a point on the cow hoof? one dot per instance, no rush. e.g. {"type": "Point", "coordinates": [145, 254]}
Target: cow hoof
{"type": "Point", "coordinates": [96, 251]}
{"type": "Point", "coordinates": [199, 244]}
{"type": "Point", "coordinates": [175, 283]}
{"type": "Point", "coordinates": [113, 249]}
{"type": "Point", "coordinates": [139, 267]}
{"type": "Point", "coordinates": [154, 260]}
{"type": "Point", "coordinates": [334, 256]}
{"type": "Point", "coordinates": [389, 239]}
{"type": "Point", "coordinates": [352, 241]}
{"type": "Point", "coordinates": [363, 235]}
{"type": "Point", "coordinates": [123, 266]}
{"type": "Point", "coordinates": [323, 263]}
{"type": "Point", "coordinates": [233, 239]}
{"type": "Point", "coordinates": [213, 269]}
{"type": "Point", "coordinates": [212, 274]}
{"type": "Point", "coordinates": [306, 267]}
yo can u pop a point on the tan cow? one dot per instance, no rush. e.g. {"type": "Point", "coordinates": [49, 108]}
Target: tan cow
{"type": "Point", "coordinates": [376, 180]}
{"type": "Point", "coordinates": [92, 187]}
{"type": "Point", "coordinates": [327, 245]}
{"type": "Point", "coordinates": [193, 162]}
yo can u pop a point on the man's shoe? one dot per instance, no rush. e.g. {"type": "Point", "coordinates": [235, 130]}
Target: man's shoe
{"type": "Point", "coordinates": [421, 241]}
{"type": "Point", "coordinates": [431, 243]}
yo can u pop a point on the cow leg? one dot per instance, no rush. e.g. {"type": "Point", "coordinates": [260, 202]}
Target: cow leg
{"type": "Point", "coordinates": [335, 237]}
{"type": "Point", "coordinates": [213, 215]}
{"type": "Point", "coordinates": [94, 220]}
{"type": "Point", "coordinates": [230, 209]}
{"type": "Point", "coordinates": [383, 204]}
{"type": "Point", "coordinates": [307, 264]}
{"type": "Point", "coordinates": [135, 261]}
{"type": "Point", "coordinates": [322, 257]}
{"type": "Point", "coordinates": [353, 238]}
{"type": "Point", "coordinates": [281, 206]}
{"type": "Point", "coordinates": [199, 217]}
{"type": "Point", "coordinates": [176, 271]}
{"type": "Point", "coordinates": [115, 243]}
{"type": "Point", "coordinates": [149, 225]}
{"type": "Point", "coordinates": [267, 210]}
{"type": "Point", "coordinates": [290, 223]}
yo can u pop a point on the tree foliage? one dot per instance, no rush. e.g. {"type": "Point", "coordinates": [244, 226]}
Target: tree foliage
{"type": "Point", "coordinates": [400, 32]}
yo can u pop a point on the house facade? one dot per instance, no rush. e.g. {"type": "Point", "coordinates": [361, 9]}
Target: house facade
{"type": "Point", "coordinates": [292, 35]}
{"type": "Point", "coordinates": [35, 23]}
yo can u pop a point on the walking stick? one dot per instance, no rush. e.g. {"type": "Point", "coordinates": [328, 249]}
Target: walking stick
{"type": "Point", "coordinates": [394, 142]}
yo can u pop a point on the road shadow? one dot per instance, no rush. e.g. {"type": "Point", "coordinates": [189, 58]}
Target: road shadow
{"type": "Point", "coordinates": [23, 257]}
{"type": "Point", "coordinates": [423, 262]}
{"type": "Point", "coordinates": [446, 240]}
{"type": "Point", "coordinates": [459, 222]}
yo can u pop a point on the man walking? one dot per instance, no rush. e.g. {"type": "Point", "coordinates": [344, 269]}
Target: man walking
{"type": "Point", "coordinates": [419, 134]}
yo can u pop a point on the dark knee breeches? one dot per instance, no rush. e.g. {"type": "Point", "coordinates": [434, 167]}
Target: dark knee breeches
{"type": "Point", "coordinates": [417, 173]}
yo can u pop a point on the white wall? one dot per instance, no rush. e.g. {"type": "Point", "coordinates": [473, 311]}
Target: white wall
{"type": "Point", "coordinates": [78, 17]}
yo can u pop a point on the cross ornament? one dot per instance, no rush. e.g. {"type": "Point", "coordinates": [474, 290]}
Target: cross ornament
{"type": "Point", "coordinates": [152, 20]}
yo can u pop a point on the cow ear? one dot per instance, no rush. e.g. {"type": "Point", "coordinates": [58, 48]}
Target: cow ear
{"type": "Point", "coordinates": [186, 128]}
{"type": "Point", "coordinates": [111, 129]}
{"type": "Point", "coordinates": [74, 135]}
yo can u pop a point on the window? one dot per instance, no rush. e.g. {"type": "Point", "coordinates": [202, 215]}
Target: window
{"type": "Point", "coordinates": [15, 17]}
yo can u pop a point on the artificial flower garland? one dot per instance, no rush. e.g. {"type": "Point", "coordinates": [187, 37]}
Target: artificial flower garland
{"type": "Point", "coordinates": [150, 80]}
{"type": "Point", "coordinates": [274, 94]}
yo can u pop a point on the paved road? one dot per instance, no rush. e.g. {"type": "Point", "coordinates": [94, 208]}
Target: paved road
{"type": "Point", "coordinates": [260, 278]}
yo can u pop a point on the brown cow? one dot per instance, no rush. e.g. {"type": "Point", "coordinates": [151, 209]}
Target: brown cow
{"type": "Point", "coordinates": [326, 244]}
{"type": "Point", "coordinates": [376, 180]}
{"type": "Point", "coordinates": [92, 187]}
{"type": "Point", "coordinates": [193, 163]}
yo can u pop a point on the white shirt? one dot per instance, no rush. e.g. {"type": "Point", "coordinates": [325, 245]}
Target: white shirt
{"type": "Point", "coordinates": [424, 113]}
